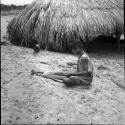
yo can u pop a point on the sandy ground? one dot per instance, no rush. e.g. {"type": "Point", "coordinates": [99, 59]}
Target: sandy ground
{"type": "Point", "coordinates": [27, 99]}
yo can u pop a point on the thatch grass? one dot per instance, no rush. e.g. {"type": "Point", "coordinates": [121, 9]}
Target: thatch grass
{"type": "Point", "coordinates": [55, 24]}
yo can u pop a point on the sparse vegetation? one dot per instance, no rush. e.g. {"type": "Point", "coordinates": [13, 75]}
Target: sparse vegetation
{"type": "Point", "coordinates": [11, 9]}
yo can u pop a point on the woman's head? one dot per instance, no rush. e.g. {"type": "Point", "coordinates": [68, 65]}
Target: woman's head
{"type": "Point", "coordinates": [77, 48]}
{"type": "Point", "coordinates": [36, 48]}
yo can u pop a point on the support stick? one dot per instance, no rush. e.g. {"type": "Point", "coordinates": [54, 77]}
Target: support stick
{"type": "Point", "coordinates": [118, 42]}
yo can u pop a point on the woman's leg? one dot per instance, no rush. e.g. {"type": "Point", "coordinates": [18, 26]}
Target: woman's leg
{"type": "Point", "coordinates": [48, 75]}
{"type": "Point", "coordinates": [86, 81]}
{"type": "Point", "coordinates": [53, 76]}
{"type": "Point", "coordinates": [69, 82]}
{"type": "Point", "coordinates": [76, 80]}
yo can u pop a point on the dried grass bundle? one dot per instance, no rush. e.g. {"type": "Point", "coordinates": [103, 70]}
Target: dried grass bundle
{"type": "Point", "coordinates": [55, 24]}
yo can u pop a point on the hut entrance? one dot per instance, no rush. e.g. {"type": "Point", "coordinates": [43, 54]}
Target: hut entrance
{"type": "Point", "coordinates": [105, 44]}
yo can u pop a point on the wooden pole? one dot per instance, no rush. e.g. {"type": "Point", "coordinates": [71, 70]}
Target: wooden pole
{"type": "Point", "coordinates": [118, 42]}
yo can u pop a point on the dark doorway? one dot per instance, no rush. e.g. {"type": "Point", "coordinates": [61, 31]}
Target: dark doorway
{"type": "Point", "coordinates": [104, 44]}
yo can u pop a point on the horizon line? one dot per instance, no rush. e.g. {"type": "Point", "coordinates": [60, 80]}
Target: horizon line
{"type": "Point", "coordinates": [14, 4]}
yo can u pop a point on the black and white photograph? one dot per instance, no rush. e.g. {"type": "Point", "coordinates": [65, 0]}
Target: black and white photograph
{"type": "Point", "coordinates": [62, 62]}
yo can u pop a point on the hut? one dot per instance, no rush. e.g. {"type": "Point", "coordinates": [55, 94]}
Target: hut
{"type": "Point", "coordinates": [55, 24]}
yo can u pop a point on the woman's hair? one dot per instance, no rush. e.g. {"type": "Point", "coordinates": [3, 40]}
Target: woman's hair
{"type": "Point", "coordinates": [36, 48]}
{"type": "Point", "coordinates": [78, 44]}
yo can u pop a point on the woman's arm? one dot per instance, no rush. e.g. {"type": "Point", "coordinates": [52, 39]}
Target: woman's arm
{"type": "Point", "coordinates": [78, 74]}
{"type": "Point", "coordinates": [70, 74]}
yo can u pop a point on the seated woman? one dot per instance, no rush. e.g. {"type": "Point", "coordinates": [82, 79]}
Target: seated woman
{"type": "Point", "coordinates": [83, 75]}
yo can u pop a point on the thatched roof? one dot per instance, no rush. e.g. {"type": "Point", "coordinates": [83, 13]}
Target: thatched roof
{"type": "Point", "coordinates": [57, 23]}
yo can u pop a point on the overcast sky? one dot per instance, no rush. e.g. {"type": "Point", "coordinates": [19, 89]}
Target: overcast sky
{"type": "Point", "coordinates": [16, 2]}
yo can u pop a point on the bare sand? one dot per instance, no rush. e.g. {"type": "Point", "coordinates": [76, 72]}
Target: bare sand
{"type": "Point", "coordinates": [27, 99]}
